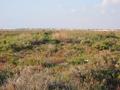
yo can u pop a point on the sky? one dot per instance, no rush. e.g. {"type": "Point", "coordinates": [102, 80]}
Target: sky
{"type": "Point", "coordinates": [59, 13]}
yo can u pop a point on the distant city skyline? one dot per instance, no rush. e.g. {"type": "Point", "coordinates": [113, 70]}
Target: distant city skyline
{"type": "Point", "coordinates": [60, 14]}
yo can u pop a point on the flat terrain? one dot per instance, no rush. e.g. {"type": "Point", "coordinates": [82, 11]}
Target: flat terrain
{"type": "Point", "coordinates": [59, 60]}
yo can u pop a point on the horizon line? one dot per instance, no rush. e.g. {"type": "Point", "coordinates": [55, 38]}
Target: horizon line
{"type": "Point", "coordinates": [37, 29]}
{"type": "Point", "coordinates": [58, 28]}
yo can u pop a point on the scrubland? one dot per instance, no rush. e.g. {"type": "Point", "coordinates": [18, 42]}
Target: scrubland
{"type": "Point", "coordinates": [59, 60]}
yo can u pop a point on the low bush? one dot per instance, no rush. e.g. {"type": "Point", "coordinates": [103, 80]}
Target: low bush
{"type": "Point", "coordinates": [4, 75]}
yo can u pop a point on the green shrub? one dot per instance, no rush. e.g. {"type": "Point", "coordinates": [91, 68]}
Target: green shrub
{"type": "Point", "coordinates": [18, 47]}
{"type": "Point", "coordinates": [46, 36]}
{"type": "Point", "coordinates": [88, 42]}
{"type": "Point", "coordinates": [14, 61]}
{"type": "Point", "coordinates": [107, 44]}
{"type": "Point", "coordinates": [112, 35]}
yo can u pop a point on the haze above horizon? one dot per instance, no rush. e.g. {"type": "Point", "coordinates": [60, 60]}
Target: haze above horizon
{"type": "Point", "coordinates": [59, 13]}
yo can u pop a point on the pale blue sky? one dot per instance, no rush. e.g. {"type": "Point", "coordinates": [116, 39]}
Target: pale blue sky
{"type": "Point", "coordinates": [59, 13]}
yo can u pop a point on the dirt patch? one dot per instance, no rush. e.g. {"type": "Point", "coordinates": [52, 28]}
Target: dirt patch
{"type": "Point", "coordinates": [3, 61]}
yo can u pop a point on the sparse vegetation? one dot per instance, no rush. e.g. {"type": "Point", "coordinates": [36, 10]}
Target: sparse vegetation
{"type": "Point", "coordinates": [59, 60]}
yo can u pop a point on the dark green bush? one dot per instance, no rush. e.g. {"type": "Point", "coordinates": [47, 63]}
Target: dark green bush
{"type": "Point", "coordinates": [4, 75]}
{"type": "Point", "coordinates": [48, 65]}
{"type": "Point", "coordinates": [99, 79]}
{"type": "Point", "coordinates": [19, 47]}
{"type": "Point", "coordinates": [107, 44]}
{"type": "Point", "coordinates": [112, 35]}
